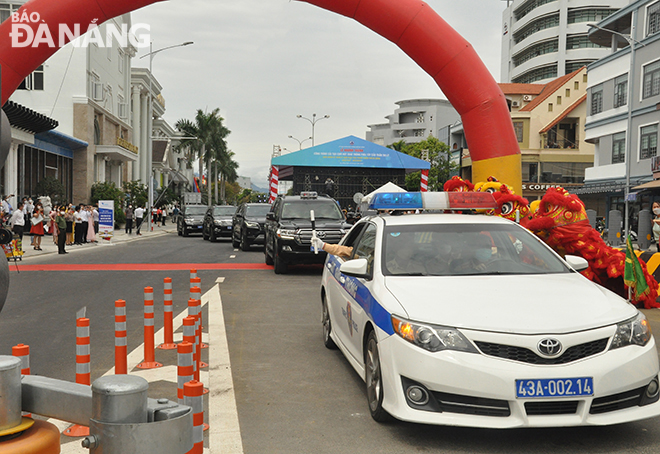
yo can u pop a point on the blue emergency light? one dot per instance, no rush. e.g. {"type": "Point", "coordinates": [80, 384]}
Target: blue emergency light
{"type": "Point", "coordinates": [433, 201]}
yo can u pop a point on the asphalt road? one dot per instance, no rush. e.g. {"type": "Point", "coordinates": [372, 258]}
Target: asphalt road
{"type": "Point", "coordinates": [293, 395]}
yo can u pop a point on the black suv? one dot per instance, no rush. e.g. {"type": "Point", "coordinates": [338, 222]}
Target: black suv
{"type": "Point", "coordinates": [289, 229]}
{"type": "Point", "coordinates": [190, 219]}
{"type": "Point", "coordinates": [248, 225]}
{"type": "Point", "coordinates": [217, 222]}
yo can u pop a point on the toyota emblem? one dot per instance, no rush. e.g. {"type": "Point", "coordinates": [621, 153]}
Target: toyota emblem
{"type": "Point", "coordinates": [549, 347]}
{"type": "Point", "coordinates": [320, 234]}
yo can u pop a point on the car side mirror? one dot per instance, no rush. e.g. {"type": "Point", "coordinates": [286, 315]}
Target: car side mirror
{"type": "Point", "coordinates": [356, 268]}
{"type": "Point", "coordinates": [270, 216]}
{"type": "Point", "coordinates": [577, 263]}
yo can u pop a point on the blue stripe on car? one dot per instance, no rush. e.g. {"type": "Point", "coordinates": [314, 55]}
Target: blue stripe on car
{"type": "Point", "coordinates": [362, 296]}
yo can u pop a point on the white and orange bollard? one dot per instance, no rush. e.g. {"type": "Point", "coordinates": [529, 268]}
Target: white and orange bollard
{"type": "Point", "coordinates": [196, 294]}
{"type": "Point", "coordinates": [149, 335]}
{"type": "Point", "coordinates": [168, 319]}
{"type": "Point", "coordinates": [121, 341]}
{"type": "Point", "coordinates": [193, 275]}
{"type": "Point", "coordinates": [190, 337]}
{"type": "Point", "coordinates": [83, 370]}
{"type": "Point", "coordinates": [192, 396]}
{"type": "Point", "coordinates": [22, 352]}
{"type": "Point", "coordinates": [185, 367]}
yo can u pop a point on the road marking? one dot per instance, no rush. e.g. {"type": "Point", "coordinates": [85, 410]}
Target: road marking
{"type": "Point", "coordinates": [224, 431]}
{"type": "Point", "coordinates": [232, 256]}
{"type": "Point", "coordinates": [147, 267]}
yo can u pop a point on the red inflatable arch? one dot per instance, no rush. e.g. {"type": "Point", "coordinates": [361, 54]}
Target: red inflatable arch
{"type": "Point", "coordinates": [410, 24]}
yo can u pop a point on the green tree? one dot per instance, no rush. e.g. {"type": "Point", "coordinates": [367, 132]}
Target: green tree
{"type": "Point", "coordinates": [104, 190]}
{"type": "Point", "coordinates": [136, 193]}
{"type": "Point", "coordinates": [53, 188]}
{"type": "Point", "coordinates": [207, 142]}
{"type": "Point", "coordinates": [438, 155]}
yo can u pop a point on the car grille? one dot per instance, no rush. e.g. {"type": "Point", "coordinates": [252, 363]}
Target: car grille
{"type": "Point", "coordinates": [328, 236]}
{"type": "Point", "coordinates": [525, 355]}
{"type": "Point", "coordinates": [455, 403]}
{"type": "Point", "coordinates": [567, 407]}
{"type": "Point", "coordinates": [616, 401]}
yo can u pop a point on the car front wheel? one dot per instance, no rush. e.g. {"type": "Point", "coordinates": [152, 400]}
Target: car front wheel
{"type": "Point", "coordinates": [234, 242]}
{"type": "Point", "coordinates": [280, 267]}
{"type": "Point", "coordinates": [327, 325]}
{"type": "Point", "coordinates": [374, 380]}
{"type": "Point", "coordinates": [245, 243]}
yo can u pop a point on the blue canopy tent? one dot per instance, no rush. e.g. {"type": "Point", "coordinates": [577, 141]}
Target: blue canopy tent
{"type": "Point", "coordinates": [353, 164]}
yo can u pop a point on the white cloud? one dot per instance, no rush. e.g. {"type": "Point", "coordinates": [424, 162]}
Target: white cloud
{"type": "Point", "coordinates": [263, 62]}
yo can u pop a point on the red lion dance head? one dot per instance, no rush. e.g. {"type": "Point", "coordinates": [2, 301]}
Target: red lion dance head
{"type": "Point", "coordinates": [458, 184]}
{"type": "Point", "coordinates": [509, 203]}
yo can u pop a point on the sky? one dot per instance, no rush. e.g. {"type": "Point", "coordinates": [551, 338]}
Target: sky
{"type": "Point", "coordinates": [263, 62]}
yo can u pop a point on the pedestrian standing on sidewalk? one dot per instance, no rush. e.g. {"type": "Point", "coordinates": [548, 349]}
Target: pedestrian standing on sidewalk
{"type": "Point", "coordinates": [656, 224]}
{"type": "Point", "coordinates": [60, 228]}
{"type": "Point", "coordinates": [96, 217]}
{"type": "Point", "coordinates": [77, 226]}
{"type": "Point", "coordinates": [129, 219]}
{"type": "Point", "coordinates": [37, 226]}
{"type": "Point", "coordinates": [70, 219]}
{"type": "Point", "coordinates": [139, 215]}
{"type": "Point", "coordinates": [91, 234]}
{"type": "Point", "coordinates": [84, 214]}
{"type": "Point", "coordinates": [17, 223]}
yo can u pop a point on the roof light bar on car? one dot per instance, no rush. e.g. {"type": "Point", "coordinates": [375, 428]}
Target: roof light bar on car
{"type": "Point", "coordinates": [433, 201]}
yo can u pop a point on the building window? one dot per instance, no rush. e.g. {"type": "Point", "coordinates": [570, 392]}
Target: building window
{"type": "Point", "coordinates": [568, 92]}
{"type": "Point", "coordinates": [97, 132]}
{"type": "Point", "coordinates": [536, 50]}
{"type": "Point", "coordinates": [651, 80]}
{"type": "Point", "coordinates": [653, 19]}
{"type": "Point", "coordinates": [530, 172]}
{"type": "Point", "coordinates": [545, 72]}
{"type": "Point", "coordinates": [588, 14]}
{"type": "Point", "coordinates": [621, 91]}
{"type": "Point", "coordinates": [596, 99]}
{"type": "Point", "coordinates": [419, 132]}
{"type": "Point", "coordinates": [648, 142]}
{"type": "Point", "coordinates": [619, 148]}
{"type": "Point", "coordinates": [518, 127]}
{"type": "Point", "coordinates": [528, 7]}
{"type": "Point", "coordinates": [574, 65]}
{"type": "Point", "coordinates": [580, 42]}
{"type": "Point", "coordinates": [34, 81]}
{"type": "Point", "coordinates": [563, 172]}
{"type": "Point", "coordinates": [559, 100]}
{"type": "Point", "coordinates": [536, 25]}
{"type": "Point", "coordinates": [550, 107]}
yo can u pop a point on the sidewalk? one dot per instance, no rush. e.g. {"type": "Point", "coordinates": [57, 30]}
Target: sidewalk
{"type": "Point", "coordinates": [119, 236]}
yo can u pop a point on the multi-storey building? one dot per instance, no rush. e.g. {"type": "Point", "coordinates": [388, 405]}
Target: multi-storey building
{"type": "Point", "coordinates": [624, 108]}
{"type": "Point", "coordinates": [546, 39]}
{"type": "Point", "coordinates": [414, 121]}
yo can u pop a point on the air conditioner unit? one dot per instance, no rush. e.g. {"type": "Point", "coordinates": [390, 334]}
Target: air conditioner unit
{"type": "Point", "coordinates": [527, 97]}
{"type": "Point", "coordinates": [97, 91]}
{"type": "Point", "coordinates": [123, 110]}
{"type": "Point", "coordinates": [514, 104]}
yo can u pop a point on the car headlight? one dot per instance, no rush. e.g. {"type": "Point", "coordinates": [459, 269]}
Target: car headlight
{"type": "Point", "coordinates": [226, 222]}
{"type": "Point", "coordinates": [433, 338]}
{"type": "Point", "coordinates": [252, 225]}
{"type": "Point", "coordinates": [286, 234]}
{"type": "Point", "coordinates": [217, 222]}
{"type": "Point", "coordinates": [189, 220]}
{"type": "Point", "coordinates": [636, 331]}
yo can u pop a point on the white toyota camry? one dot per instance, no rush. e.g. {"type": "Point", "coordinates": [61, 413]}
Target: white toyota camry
{"type": "Point", "coordinates": [471, 320]}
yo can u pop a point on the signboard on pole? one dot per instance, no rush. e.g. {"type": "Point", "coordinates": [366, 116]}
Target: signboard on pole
{"type": "Point", "coordinates": [106, 218]}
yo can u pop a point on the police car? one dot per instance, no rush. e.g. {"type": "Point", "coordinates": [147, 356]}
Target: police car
{"type": "Point", "coordinates": [471, 320]}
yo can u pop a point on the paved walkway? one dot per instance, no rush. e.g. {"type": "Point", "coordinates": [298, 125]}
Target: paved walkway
{"type": "Point", "coordinates": [119, 236]}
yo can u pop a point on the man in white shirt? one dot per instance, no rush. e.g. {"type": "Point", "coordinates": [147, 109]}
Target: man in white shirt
{"type": "Point", "coordinates": [139, 215]}
{"type": "Point", "coordinates": [17, 223]}
{"type": "Point", "coordinates": [84, 214]}
{"type": "Point", "coordinates": [77, 227]}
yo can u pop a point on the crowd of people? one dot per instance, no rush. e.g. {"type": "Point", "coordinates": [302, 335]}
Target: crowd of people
{"type": "Point", "coordinates": [69, 224]}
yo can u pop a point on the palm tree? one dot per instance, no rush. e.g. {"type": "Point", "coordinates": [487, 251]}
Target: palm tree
{"type": "Point", "coordinates": [209, 139]}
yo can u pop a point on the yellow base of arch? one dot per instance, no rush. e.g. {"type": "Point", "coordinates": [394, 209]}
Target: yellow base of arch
{"type": "Point", "coordinates": [507, 170]}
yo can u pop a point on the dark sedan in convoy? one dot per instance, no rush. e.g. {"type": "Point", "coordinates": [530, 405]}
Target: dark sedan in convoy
{"type": "Point", "coordinates": [190, 219]}
{"type": "Point", "coordinates": [217, 222]}
{"type": "Point", "coordinates": [248, 225]}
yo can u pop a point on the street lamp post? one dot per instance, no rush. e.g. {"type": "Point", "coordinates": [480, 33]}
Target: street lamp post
{"type": "Point", "coordinates": [300, 142]}
{"type": "Point", "coordinates": [313, 122]}
{"type": "Point", "coordinates": [152, 53]}
{"type": "Point", "coordinates": [631, 80]}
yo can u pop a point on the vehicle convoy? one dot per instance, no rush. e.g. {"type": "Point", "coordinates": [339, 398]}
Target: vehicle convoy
{"type": "Point", "coordinates": [248, 225]}
{"type": "Point", "coordinates": [191, 219]}
{"type": "Point", "coordinates": [288, 233]}
{"type": "Point", "coordinates": [471, 320]}
{"type": "Point", "coordinates": [217, 222]}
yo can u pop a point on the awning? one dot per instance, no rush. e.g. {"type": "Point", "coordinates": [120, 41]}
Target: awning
{"type": "Point", "coordinates": [116, 153]}
{"type": "Point", "coordinates": [27, 119]}
{"type": "Point", "coordinates": [655, 184]}
{"type": "Point", "coordinates": [599, 188]}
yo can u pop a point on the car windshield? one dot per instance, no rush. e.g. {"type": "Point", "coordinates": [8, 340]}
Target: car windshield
{"type": "Point", "coordinates": [323, 209]}
{"type": "Point", "coordinates": [195, 211]}
{"type": "Point", "coordinates": [258, 211]}
{"type": "Point", "coordinates": [465, 249]}
{"type": "Point", "coordinates": [225, 210]}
